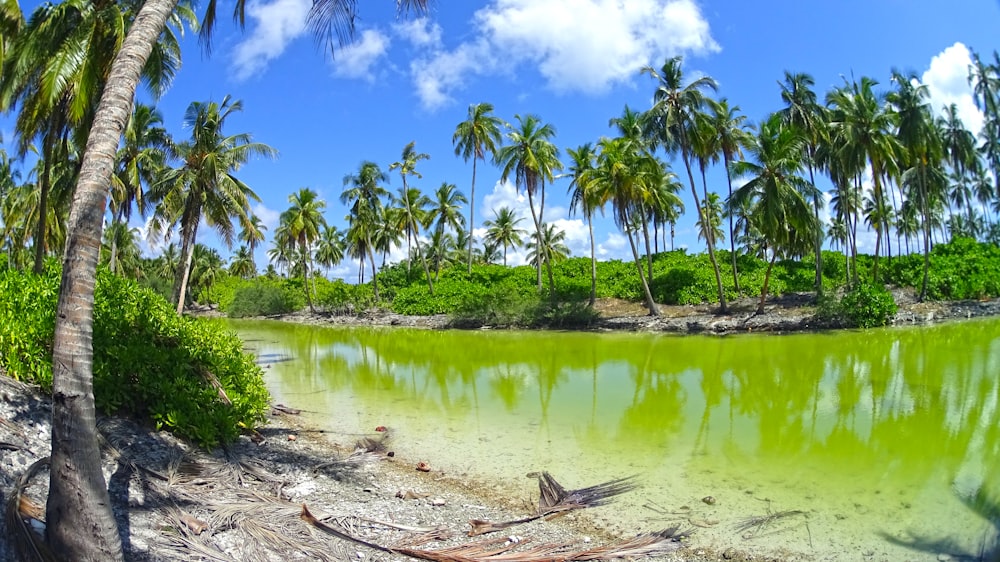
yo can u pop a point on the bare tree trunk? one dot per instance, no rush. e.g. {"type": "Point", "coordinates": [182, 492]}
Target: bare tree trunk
{"type": "Point", "coordinates": [79, 521]}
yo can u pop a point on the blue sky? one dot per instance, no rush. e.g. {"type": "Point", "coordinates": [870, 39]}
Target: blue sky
{"type": "Point", "coordinates": [575, 63]}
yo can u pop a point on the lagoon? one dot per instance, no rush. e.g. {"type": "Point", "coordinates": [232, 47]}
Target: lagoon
{"type": "Point", "coordinates": [887, 441]}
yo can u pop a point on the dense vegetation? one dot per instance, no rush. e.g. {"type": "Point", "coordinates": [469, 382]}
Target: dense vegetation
{"type": "Point", "coordinates": [189, 376]}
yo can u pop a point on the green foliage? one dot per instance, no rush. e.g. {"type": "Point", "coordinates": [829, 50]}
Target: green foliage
{"type": "Point", "coordinates": [261, 298]}
{"type": "Point", "coordinates": [961, 269]}
{"type": "Point", "coordinates": [867, 306]}
{"type": "Point", "coordinates": [148, 362]}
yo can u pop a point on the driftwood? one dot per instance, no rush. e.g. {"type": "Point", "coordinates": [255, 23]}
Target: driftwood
{"type": "Point", "coordinates": [754, 525]}
{"type": "Point", "coordinates": [554, 499]}
{"type": "Point", "coordinates": [286, 410]}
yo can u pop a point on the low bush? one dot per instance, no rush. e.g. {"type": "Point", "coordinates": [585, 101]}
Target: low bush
{"type": "Point", "coordinates": [867, 306]}
{"type": "Point", "coordinates": [261, 298]}
{"type": "Point", "coordinates": [189, 376]}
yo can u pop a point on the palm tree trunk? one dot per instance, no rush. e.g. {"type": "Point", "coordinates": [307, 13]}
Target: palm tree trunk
{"type": "Point", "coordinates": [707, 231]}
{"type": "Point", "coordinates": [593, 262]}
{"type": "Point", "coordinates": [732, 237]}
{"type": "Point", "coordinates": [305, 271]}
{"type": "Point", "coordinates": [44, 187]}
{"type": "Point", "coordinates": [78, 495]}
{"type": "Point", "coordinates": [472, 211]}
{"type": "Point", "coordinates": [371, 258]}
{"type": "Point", "coordinates": [423, 260]}
{"type": "Point", "coordinates": [819, 231]}
{"type": "Point", "coordinates": [649, 255]}
{"type": "Point", "coordinates": [650, 303]}
{"type": "Point", "coordinates": [926, 228]}
{"type": "Point", "coordinates": [184, 272]}
{"type": "Point", "coordinates": [538, 240]}
{"type": "Point", "coordinates": [767, 280]}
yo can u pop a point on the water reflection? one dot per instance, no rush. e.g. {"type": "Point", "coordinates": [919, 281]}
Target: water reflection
{"type": "Point", "coordinates": [881, 427]}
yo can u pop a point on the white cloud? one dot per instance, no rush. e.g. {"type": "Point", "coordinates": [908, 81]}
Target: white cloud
{"type": "Point", "coordinates": [277, 23]}
{"type": "Point", "coordinates": [356, 60]}
{"type": "Point", "coordinates": [420, 32]}
{"type": "Point", "coordinates": [268, 217]}
{"type": "Point", "coordinates": [577, 45]}
{"type": "Point", "coordinates": [947, 81]}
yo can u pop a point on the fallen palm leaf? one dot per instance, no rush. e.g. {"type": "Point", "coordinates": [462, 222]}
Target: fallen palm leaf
{"type": "Point", "coordinates": [760, 522]}
{"type": "Point", "coordinates": [18, 514]}
{"type": "Point", "coordinates": [554, 499]}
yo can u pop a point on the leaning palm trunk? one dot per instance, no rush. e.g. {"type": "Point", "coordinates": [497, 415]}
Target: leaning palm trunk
{"type": "Point", "coordinates": [650, 303]}
{"type": "Point", "coordinates": [767, 280]}
{"type": "Point", "coordinates": [423, 259]}
{"type": "Point", "coordinates": [649, 254]}
{"type": "Point", "coordinates": [732, 237]}
{"type": "Point", "coordinates": [304, 250]}
{"type": "Point", "coordinates": [707, 231]}
{"type": "Point", "coordinates": [78, 496]}
{"type": "Point", "coordinates": [371, 259]}
{"type": "Point", "coordinates": [538, 240]}
{"type": "Point", "coordinates": [472, 214]}
{"type": "Point", "coordinates": [189, 233]}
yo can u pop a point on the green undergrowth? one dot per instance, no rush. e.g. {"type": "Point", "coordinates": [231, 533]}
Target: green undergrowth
{"type": "Point", "coordinates": [188, 376]}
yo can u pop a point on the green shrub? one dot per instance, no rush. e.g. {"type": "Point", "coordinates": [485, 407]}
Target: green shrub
{"type": "Point", "coordinates": [148, 362]}
{"type": "Point", "coordinates": [261, 299]}
{"type": "Point", "coordinates": [867, 306]}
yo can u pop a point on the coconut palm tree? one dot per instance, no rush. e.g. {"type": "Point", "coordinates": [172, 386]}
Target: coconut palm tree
{"type": "Point", "coordinates": [304, 220]}
{"type": "Point", "coordinates": [732, 132]}
{"type": "Point", "coordinates": [776, 194]}
{"type": "Point", "coordinates": [503, 230]}
{"type": "Point", "coordinates": [205, 185]}
{"type": "Point", "coordinates": [330, 247]}
{"type": "Point", "coordinates": [623, 174]}
{"type": "Point", "coordinates": [802, 110]}
{"type": "Point", "coordinates": [670, 122]}
{"type": "Point", "coordinates": [581, 161]}
{"type": "Point", "coordinates": [363, 191]}
{"type": "Point", "coordinates": [77, 494]}
{"type": "Point", "coordinates": [531, 158]}
{"type": "Point", "coordinates": [474, 138]}
{"type": "Point", "coordinates": [445, 213]}
{"type": "Point", "coordinates": [122, 248]}
{"type": "Point", "coordinates": [413, 204]}
{"type": "Point", "coordinates": [252, 234]}
{"type": "Point", "coordinates": [711, 218]}
{"type": "Point", "coordinates": [553, 245]}
{"type": "Point", "coordinates": [242, 264]}
{"type": "Point", "coordinates": [142, 156]}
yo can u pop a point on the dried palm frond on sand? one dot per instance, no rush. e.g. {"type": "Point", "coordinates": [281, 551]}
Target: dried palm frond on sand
{"type": "Point", "coordinates": [554, 499]}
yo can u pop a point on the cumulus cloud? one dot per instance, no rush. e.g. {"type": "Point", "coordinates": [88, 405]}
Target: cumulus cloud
{"type": "Point", "coordinates": [268, 217]}
{"type": "Point", "coordinates": [420, 32]}
{"type": "Point", "coordinates": [356, 60]}
{"type": "Point", "coordinates": [576, 45]}
{"type": "Point", "coordinates": [275, 25]}
{"type": "Point", "coordinates": [947, 82]}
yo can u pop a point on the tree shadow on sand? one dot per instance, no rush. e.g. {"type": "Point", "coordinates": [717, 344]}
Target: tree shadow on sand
{"type": "Point", "coordinates": [984, 504]}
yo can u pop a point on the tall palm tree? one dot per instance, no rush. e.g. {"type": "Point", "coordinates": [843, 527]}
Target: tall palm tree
{"type": "Point", "coordinates": [531, 158]}
{"type": "Point", "coordinates": [864, 129]}
{"type": "Point", "coordinates": [777, 195]}
{"type": "Point", "coordinates": [553, 245]}
{"type": "Point", "coordinates": [802, 110]}
{"type": "Point", "coordinates": [77, 494]}
{"type": "Point", "coordinates": [252, 234]}
{"type": "Point", "coordinates": [503, 230]}
{"type": "Point", "coordinates": [445, 213]}
{"type": "Point", "coordinates": [586, 201]}
{"type": "Point", "coordinates": [142, 156]}
{"type": "Point", "coordinates": [304, 220]}
{"type": "Point", "coordinates": [732, 133]}
{"type": "Point", "coordinates": [363, 191]}
{"type": "Point", "coordinates": [623, 175]}
{"type": "Point", "coordinates": [474, 138]}
{"type": "Point", "coordinates": [205, 185]}
{"type": "Point", "coordinates": [413, 204]}
{"type": "Point", "coordinates": [670, 122]}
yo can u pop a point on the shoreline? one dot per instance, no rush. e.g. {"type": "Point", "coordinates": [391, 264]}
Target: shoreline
{"type": "Point", "coordinates": [783, 314]}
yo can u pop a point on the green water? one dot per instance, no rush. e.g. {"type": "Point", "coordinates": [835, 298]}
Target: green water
{"type": "Point", "coordinates": [880, 437]}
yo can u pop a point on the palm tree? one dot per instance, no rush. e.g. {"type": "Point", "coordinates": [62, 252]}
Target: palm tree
{"type": "Point", "coordinates": [330, 247]}
{"type": "Point", "coordinates": [581, 161]}
{"type": "Point", "coordinates": [304, 220]}
{"type": "Point", "coordinates": [503, 230]}
{"type": "Point", "coordinates": [282, 250]}
{"type": "Point", "coordinates": [777, 195]}
{"type": "Point", "coordinates": [553, 245]}
{"type": "Point", "coordinates": [205, 185]}
{"type": "Point", "coordinates": [711, 218]}
{"type": "Point", "coordinates": [670, 122]}
{"type": "Point", "coordinates": [864, 129]}
{"type": "Point", "coordinates": [77, 493]}
{"type": "Point", "coordinates": [252, 234]}
{"type": "Point", "coordinates": [531, 158]}
{"type": "Point", "coordinates": [124, 255]}
{"type": "Point", "coordinates": [445, 213]}
{"type": "Point", "coordinates": [363, 192]}
{"type": "Point", "coordinates": [413, 204]}
{"type": "Point", "coordinates": [802, 110]}
{"type": "Point", "coordinates": [623, 174]}
{"type": "Point", "coordinates": [242, 265]}
{"type": "Point", "coordinates": [731, 131]}
{"type": "Point", "coordinates": [141, 158]}
{"type": "Point", "coordinates": [474, 138]}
